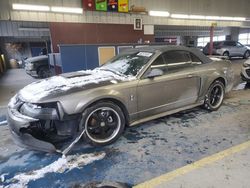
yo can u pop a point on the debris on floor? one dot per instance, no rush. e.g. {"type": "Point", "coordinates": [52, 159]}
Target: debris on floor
{"type": "Point", "coordinates": [61, 165]}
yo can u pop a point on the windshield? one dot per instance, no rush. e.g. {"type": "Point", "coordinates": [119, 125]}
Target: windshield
{"type": "Point", "coordinates": [128, 64]}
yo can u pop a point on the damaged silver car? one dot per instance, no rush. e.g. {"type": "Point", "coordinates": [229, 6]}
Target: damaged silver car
{"type": "Point", "coordinates": [133, 87]}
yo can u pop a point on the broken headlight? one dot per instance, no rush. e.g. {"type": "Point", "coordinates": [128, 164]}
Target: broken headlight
{"type": "Point", "coordinates": [45, 111]}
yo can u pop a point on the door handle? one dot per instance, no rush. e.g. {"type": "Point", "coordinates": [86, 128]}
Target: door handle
{"type": "Point", "coordinates": [190, 75]}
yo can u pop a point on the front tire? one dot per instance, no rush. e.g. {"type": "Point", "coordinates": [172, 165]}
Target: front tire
{"type": "Point", "coordinates": [215, 96]}
{"type": "Point", "coordinates": [104, 123]}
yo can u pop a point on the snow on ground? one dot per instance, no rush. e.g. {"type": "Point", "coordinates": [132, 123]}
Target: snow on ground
{"type": "Point", "coordinates": [61, 165]}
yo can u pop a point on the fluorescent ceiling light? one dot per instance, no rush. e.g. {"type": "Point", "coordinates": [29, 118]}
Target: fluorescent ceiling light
{"type": "Point", "coordinates": [239, 19]}
{"type": "Point", "coordinates": [212, 18]}
{"type": "Point", "coordinates": [30, 7]}
{"type": "Point", "coordinates": [226, 18]}
{"type": "Point", "coordinates": [67, 10]}
{"type": "Point", "coordinates": [199, 17]}
{"type": "Point", "coordinates": [159, 13]}
{"type": "Point", "coordinates": [183, 16]}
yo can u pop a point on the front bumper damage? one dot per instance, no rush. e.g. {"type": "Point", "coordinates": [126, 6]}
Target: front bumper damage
{"type": "Point", "coordinates": [43, 127]}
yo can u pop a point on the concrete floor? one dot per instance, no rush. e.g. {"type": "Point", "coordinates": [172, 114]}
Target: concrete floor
{"type": "Point", "coordinates": [11, 82]}
{"type": "Point", "coordinates": [144, 152]}
{"type": "Point", "coordinates": [229, 168]}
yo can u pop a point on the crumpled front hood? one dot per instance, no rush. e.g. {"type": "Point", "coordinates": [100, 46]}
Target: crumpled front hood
{"type": "Point", "coordinates": [68, 83]}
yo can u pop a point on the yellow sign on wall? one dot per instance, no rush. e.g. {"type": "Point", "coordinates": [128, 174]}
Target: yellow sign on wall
{"type": "Point", "coordinates": [122, 5]}
{"type": "Point", "coordinates": [105, 53]}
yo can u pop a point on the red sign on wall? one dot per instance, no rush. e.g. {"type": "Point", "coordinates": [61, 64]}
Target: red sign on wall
{"type": "Point", "coordinates": [89, 4]}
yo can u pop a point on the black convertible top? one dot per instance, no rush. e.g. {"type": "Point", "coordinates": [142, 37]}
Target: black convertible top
{"type": "Point", "coordinates": [165, 48]}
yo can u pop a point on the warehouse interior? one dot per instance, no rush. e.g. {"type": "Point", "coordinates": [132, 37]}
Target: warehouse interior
{"type": "Point", "coordinates": [45, 41]}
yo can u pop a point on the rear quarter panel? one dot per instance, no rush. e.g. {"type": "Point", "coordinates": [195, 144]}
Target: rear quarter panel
{"type": "Point", "coordinates": [211, 71]}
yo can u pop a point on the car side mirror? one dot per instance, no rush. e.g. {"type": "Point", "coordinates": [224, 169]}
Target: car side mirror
{"type": "Point", "coordinates": [154, 73]}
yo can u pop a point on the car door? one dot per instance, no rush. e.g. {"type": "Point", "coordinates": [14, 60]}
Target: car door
{"type": "Point", "coordinates": [240, 49]}
{"type": "Point", "coordinates": [231, 46]}
{"type": "Point", "coordinates": [177, 87]}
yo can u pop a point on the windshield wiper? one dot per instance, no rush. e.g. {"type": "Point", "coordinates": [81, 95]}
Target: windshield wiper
{"type": "Point", "coordinates": [111, 71]}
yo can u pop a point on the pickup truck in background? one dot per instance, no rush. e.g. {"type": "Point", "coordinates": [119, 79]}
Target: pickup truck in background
{"type": "Point", "coordinates": [38, 66]}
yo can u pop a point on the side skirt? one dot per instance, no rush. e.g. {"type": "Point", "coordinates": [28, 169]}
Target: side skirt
{"type": "Point", "coordinates": [165, 113]}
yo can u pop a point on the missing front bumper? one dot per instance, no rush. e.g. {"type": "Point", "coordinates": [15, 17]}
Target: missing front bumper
{"type": "Point", "coordinates": [28, 141]}
{"type": "Point", "coordinates": [43, 135]}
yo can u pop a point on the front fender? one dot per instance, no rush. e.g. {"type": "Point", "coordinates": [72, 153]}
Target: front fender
{"type": "Point", "coordinates": [77, 102]}
{"type": "Point", "coordinates": [101, 95]}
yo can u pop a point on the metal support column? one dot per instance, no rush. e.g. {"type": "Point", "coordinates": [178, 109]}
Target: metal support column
{"type": "Point", "coordinates": [211, 39]}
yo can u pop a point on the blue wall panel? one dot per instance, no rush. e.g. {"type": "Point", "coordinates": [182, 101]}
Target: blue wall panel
{"type": "Point", "coordinates": [91, 56]}
{"type": "Point", "coordinates": [82, 57]}
{"type": "Point", "coordinates": [35, 51]}
{"type": "Point", "coordinates": [73, 58]}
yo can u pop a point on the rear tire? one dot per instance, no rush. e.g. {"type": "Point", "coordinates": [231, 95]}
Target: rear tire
{"type": "Point", "coordinates": [226, 54]}
{"type": "Point", "coordinates": [246, 55]}
{"type": "Point", "coordinates": [215, 96]}
{"type": "Point", "coordinates": [104, 123]}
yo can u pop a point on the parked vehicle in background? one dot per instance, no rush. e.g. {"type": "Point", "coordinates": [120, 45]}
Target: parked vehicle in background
{"type": "Point", "coordinates": [133, 87]}
{"type": "Point", "coordinates": [38, 66]}
{"type": "Point", "coordinates": [228, 48]}
{"type": "Point", "coordinates": [22, 62]}
{"type": "Point", "coordinates": [245, 71]}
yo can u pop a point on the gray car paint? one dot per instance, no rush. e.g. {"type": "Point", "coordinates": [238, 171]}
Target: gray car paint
{"type": "Point", "coordinates": [142, 98]}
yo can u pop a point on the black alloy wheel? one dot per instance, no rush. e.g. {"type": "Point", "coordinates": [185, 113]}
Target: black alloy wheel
{"type": "Point", "coordinates": [104, 123]}
{"type": "Point", "coordinates": [215, 95]}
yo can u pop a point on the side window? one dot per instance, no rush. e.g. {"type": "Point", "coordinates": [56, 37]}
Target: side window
{"type": "Point", "coordinates": [177, 60]}
{"type": "Point", "coordinates": [158, 61]}
{"type": "Point", "coordinates": [225, 43]}
{"type": "Point", "coordinates": [239, 44]}
{"type": "Point", "coordinates": [176, 57]}
{"type": "Point", "coordinates": [195, 59]}
{"type": "Point", "coordinates": [234, 43]}
{"type": "Point", "coordinates": [230, 43]}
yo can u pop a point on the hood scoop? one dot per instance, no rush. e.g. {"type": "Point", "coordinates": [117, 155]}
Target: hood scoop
{"type": "Point", "coordinates": [74, 74]}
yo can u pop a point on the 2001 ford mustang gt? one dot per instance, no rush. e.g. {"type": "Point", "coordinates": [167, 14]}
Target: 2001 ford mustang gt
{"type": "Point", "coordinates": [133, 87]}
